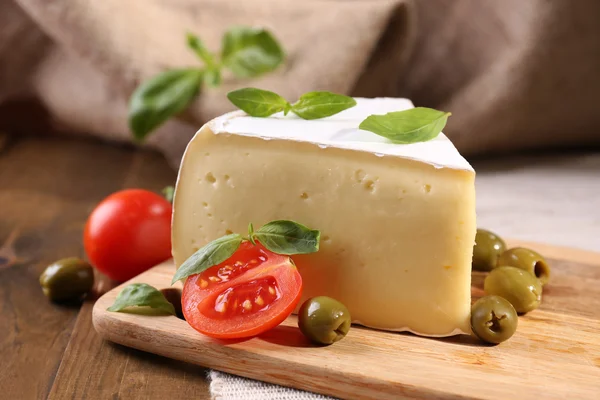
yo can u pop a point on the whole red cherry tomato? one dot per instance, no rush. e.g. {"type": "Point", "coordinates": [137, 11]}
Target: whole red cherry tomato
{"type": "Point", "coordinates": [128, 233]}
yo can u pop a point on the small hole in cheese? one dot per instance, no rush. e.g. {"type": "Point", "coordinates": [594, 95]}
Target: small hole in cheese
{"type": "Point", "coordinates": [370, 185]}
{"type": "Point", "coordinates": [205, 204]}
{"type": "Point", "coordinates": [304, 196]}
{"type": "Point", "coordinates": [359, 175]}
{"type": "Point", "coordinates": [427, 188]}
{"type": "Point", "coordinates": [210, 177]}
{"type": "Point", "coordinates": [326, 238]}
{"type": "Point", "coordinates": [228, 231]}
{"type": "Point", "coordinates": [226, 177]}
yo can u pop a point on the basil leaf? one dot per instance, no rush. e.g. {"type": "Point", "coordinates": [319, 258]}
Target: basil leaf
{"type": "Point", "coordinates": [250, 52]}
{"type": "Point", "coordinates": [212, 77]}
{"type": "Point", "coordinates": [212, 73]}
{"type": "Point", "coordinates": [212, 254]}
{"type": "Point", "coordinates": [201, 51]}
{"type": "Point", "coordinates": [314, 105]}
{"type": "Point", "coordinates": [163, 96]}
{"type": "Point", "coordinates": [168, 192]}
{"type": "Point", "coordinates": [418, 124]}
{"type": "Point", "coordinates": [141, 295]}
{"type": "Point", "coordinates": [257, 102]}
{"type": "Point", "coordinates": [288, 237]}
{"type": "Point", "coordinates": [251, 233]}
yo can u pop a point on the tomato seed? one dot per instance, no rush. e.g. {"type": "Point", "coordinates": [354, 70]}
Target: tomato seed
{"type": "Point", "coordinates": [259, 300]}
{"type": "Point", "coordinates": [247, 305]}
{"type": "Point", "coordinates": [221, 307]}
{"type": "Point", "coordinates": [272, 290]}
{"type": "Point", "coordinates": [214, 279]}
{"type": "Point", "coordinates": [203, 283]}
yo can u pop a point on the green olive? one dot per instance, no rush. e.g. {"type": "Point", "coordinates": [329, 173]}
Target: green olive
{"type": "Point", "coordinates": [67, 279]}
{"type": "Point", "coordinates": [493, 319]}
{"type": "Point", "coordinates": [522, 289]}
{"type": "Point", "coordinates": [324, 320]}
{"type": "Point", "coordinates": [487, 249]}
{"type": "Point", "coordinates": [528, 260]}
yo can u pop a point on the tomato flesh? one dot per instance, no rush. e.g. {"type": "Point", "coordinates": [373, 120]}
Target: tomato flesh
{"type": "Point", "coordinates": [243, 299]}
{"type": "Point", "coordinates": [250, 293]}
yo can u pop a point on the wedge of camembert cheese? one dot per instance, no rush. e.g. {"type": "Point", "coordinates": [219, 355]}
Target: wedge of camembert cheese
{"type": "Point", "coordinates": [397, 221]}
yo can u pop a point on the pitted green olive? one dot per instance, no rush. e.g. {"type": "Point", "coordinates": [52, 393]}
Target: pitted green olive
{"type": "Point", "coordinates": [522, 289]}
{"type": "Point", "coordinates": [528, 260]}
{"type": "Point", "coordinates": [324, 320]}
{"type": "Point", "coordinates": [67, 279]}
{"type": "Point", "coordinates": [487, 249]}
{"type": "Point", "coordinates": [493, 319]}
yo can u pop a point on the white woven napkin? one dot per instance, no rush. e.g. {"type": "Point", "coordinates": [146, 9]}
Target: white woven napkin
{"type": "Point", "coordinates": [549, 199]}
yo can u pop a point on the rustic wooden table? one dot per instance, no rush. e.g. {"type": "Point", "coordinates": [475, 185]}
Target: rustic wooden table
{"type": "Point", "coordinates": [47, 189]}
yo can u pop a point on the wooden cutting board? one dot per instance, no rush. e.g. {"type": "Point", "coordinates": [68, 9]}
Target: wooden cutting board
{"type": "Point", "coordinates": [554, 354]}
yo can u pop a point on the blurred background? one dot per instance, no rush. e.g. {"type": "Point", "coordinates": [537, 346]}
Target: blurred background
{"type": "Point", "coordinates": [521, 78]}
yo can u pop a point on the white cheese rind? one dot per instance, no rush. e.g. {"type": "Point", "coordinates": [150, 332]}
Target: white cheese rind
{"type": "Point", "coordinates": [397, 234]}
{"type": "Point", "coordinates": [341, 131]}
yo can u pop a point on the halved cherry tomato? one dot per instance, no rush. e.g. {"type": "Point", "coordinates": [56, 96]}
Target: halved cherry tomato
{"type": "Point", "coordinates": [251, 292]}
{"type": "Point", "coordinates": [128, 232]}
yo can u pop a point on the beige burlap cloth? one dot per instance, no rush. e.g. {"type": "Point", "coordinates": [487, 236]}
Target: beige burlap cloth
{"type": "Point", "coordinates": [515, 74]}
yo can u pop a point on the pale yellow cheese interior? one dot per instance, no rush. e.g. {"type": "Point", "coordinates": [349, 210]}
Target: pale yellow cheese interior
{"type": "Point", "coordinates": [397, 234]}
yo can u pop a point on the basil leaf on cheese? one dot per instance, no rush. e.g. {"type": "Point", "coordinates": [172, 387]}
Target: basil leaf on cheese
{"type": "Point", "coordinates": [141, 295]}
{"type": "Point", "coordinates": [314, 105]}
{"type": "Point", "coordinates": [162, 97]}
{"type": "Point", "coordinates": [257, 102]}
{"type": "Point", "coordinates": [418, 124]}
{"type": "Point", "coordinates": [250, 52]}
{"type": "Point", "coordinates": [288, 237]}
{"type": "Point", "coordinates": [213, 253]}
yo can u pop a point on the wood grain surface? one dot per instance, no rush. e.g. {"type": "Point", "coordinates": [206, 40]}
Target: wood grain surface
{"type": "Point", "coordinates": [48, 186]}
{"type": "Point", "coordinates": [554, 354]}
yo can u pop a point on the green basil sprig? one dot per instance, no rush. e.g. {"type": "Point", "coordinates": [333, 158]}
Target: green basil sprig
{"type": "Point", "coordinates": [257, 102]}
{"type": "Point", "coordinates": [247, 52]}
{"type": "Point", "coordinates": [312, 105]}
{"type": "Point", "coordinates": [156, 100]}
{"type": "Point", "coordinates": [281, 237]}
{"type": "Point", "coordinates": [414, 125]}
{"type": "Point", "coordinates": [250, 52]}
{"type": "Point", "coordinates": [141, 295]}
{"type": "Point", "coordinates": [288, 237]}
{"type": "Point", "coordinates": [213, 253]}
{"type": "Point", "coordinates": [168, 192]}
